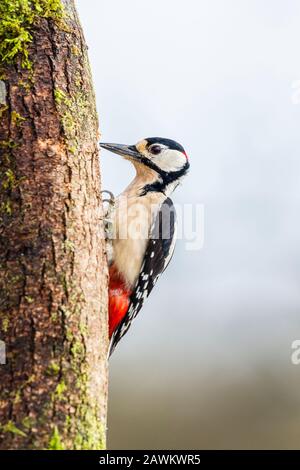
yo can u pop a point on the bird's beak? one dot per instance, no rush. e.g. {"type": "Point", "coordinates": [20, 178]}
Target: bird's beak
{"type": "Point", "coordinates": [127, 151]}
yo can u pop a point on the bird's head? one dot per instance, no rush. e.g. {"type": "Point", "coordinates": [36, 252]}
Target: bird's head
{"type": "Point", "coordinates": [165, 157]}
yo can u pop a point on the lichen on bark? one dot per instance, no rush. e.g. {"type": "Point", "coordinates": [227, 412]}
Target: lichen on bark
{"type": "Point", "coordinates": [53, 272]}
{"type": "Point", "coordinates": [18, 18]}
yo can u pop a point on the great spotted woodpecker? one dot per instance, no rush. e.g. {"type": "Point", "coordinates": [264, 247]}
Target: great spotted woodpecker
{"type": "Point", "coordinates": [143, 234]}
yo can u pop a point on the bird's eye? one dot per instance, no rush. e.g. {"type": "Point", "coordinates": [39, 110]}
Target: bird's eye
{"type": "Point", "coordinates": [155, 149]}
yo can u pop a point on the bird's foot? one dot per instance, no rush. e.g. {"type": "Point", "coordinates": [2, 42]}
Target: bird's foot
{"type": "Point", "coordinates": [111, 200]}
{"type": "Point", "coordinates": [109, 206]}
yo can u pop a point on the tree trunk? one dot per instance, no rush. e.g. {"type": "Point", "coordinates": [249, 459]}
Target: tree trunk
{"type": "Point", "coordinates": [53, 270]}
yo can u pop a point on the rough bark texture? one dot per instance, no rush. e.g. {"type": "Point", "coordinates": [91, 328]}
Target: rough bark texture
{"type": "Point", "coordinates": [53, 273]}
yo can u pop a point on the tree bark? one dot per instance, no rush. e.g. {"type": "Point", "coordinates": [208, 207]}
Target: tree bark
{"type": "Point", "coordinates": [53, 270]}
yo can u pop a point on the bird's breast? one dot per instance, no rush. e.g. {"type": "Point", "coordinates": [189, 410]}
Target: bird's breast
{"type": "Point", "coordinates": [133, 219]}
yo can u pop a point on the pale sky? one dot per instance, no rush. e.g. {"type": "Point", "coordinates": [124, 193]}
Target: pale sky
{"type": "Point", "coordinates": [217, 76]}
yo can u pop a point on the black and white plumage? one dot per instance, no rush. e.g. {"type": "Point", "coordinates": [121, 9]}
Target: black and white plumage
{"type": "Point", "coordinates": [158, 254]}
{"type": "Point", "coordinates": [137, 263]}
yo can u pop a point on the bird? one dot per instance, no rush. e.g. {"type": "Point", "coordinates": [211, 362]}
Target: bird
{"type": "Point", "coordinates": [142, 223]}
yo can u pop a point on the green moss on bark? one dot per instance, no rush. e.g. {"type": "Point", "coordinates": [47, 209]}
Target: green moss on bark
{"type": "Point", "coordinates": [55, 441]}
{"type": "Point", "coordinates": [18, 18]}
{"type": "Point", "coordinates": [11, 427]}
{"type": "Point", "coordinates": [75, 113]}
{"type": "Point", "coordinates": [9, 181]}
{"type": "Point", "coordinates": [66, 409]}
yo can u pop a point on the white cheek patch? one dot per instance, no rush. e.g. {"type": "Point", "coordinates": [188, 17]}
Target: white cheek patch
{"type": "Point", "coordinates": [170, 160]}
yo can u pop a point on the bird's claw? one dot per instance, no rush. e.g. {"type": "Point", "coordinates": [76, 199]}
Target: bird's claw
{"type": "Point", "coordinates": [111, 199]}
{"type": "Point", "coordinates": [108, 221]}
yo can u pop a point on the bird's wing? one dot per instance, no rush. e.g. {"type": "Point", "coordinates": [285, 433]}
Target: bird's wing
{"type": "Point", "coordinates": [158, 254]}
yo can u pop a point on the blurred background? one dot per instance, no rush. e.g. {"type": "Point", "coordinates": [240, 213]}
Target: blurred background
{"type": "Point", "coordinates": [207, 364]}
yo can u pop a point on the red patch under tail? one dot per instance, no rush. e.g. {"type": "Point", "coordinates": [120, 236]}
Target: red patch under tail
{"type": "Point", "coordinates": [119, 299]}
